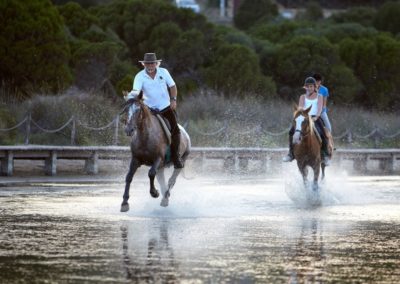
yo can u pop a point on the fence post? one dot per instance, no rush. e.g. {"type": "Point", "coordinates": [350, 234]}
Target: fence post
{"type": "Point", "coordinates": [349, 137]}
{"type": "Point", "coordinates": [377, 137]}
{"type": "Point", "coordinates": [116, 130]}
{"type": "Point", "coordinates": [27, 128]}
{"type": "Point", "coordinates": [73, 130]}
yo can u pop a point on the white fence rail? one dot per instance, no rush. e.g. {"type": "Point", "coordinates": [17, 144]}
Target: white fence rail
{"type": "Point", "coordinates": [234, 160]}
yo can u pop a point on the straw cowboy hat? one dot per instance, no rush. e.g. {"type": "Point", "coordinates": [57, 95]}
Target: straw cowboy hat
{"type": "Point", "coordinates": [150, 58]}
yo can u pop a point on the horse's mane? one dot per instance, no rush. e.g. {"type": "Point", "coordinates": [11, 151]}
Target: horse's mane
{"type": "Point", "coordinates": [144, 114]}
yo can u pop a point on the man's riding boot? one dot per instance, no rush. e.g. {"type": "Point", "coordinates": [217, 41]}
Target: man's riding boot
{"type": "Point", "coordinates": [175, 141]}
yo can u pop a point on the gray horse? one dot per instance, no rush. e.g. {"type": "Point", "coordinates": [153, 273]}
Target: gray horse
{"type": "Point", "coordinates": [149, 147]}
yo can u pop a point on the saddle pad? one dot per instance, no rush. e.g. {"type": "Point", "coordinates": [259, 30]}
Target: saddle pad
{"type": "Point", "coordinates": [164, 126]}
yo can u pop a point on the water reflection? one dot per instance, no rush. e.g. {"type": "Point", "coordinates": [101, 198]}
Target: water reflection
{"type": "Point", "coordinates": [158, 263]}
{"type": "Point", "coordinates": [308, 253]}
{"type": "Point", "coordinates": [244, 234]}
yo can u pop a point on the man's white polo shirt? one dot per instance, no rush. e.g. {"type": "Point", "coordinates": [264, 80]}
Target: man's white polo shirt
{"type": "Point", "coordinates": [155, 91]}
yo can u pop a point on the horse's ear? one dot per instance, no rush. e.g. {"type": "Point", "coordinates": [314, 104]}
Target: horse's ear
{"type": "Point", "coordinates": [307, 110]}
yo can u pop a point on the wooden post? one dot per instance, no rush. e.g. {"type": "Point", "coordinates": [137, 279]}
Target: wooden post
{"type": "Point", "coordinates": [7, 164]}
{"type": "Point", "coordinates": [387, 165]}
{"type": "Point", "coordinates": [116, 130]}
{"type": "Point", "coordinates": [243, 165]}
{"type": "Point", "coordinates": [360, 164]}
{"type": "Point", "coordinates": [237, 166]}
{"type": "Point", "coordinates": [73, 131]}
{"type": "Point", "coordinates": [50, 166]}
{"type": "Point", "coordinates": [92, 164]}
{"type": "Point", "coordinates": [202, 161]}
{"type": "Point", "coordinates": [27, 128]}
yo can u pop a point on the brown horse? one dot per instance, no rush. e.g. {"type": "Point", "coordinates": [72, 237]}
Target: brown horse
{"type": "Point", "coordinates": [149, 147]}
{"type": "Point", "coordinates": [307, 146]}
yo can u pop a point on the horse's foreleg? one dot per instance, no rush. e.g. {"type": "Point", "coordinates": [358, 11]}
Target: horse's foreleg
{"type": "Point", "coordinates": [323, 171]}
{"type": "Point", "coordinates": [134, 165]}
{"type": "Point", "coordinates": [164, 191]}
{"type": "Point", "coordinates": [316, 176]}
{"type": "Point", "coordinates": [304, 173]}
{"type": "Point", "coordinates": [152, 174]}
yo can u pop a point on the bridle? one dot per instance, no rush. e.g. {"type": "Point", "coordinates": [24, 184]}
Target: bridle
{"type": "Point", "coordinates": [302, 133]}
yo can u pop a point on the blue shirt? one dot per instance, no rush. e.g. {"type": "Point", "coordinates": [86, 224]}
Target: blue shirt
{"type": "Point", "coordinates": [323, 91]}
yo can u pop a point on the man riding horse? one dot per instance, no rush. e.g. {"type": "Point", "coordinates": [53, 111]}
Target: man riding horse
{"type": "Point", "coordinates": [160, 93]}
{"type": "Point", "coordinates": [311, 99]}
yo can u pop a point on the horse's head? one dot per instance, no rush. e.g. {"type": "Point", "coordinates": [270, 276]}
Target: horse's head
{"type": "Point", "coordinates": [136, 110]}
{"type": "Point", "coordinates": [302, 123]}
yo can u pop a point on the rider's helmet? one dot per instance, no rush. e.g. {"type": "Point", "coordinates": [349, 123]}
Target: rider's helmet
{"type": "Point", "coordinates": [310, 81]}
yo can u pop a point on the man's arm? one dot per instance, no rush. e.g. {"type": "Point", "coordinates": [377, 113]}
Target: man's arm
{"type": "Point", "coordinates": [173, 96]}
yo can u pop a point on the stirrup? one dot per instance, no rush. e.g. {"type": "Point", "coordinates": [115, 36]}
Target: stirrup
{"type": "Point", "coordinates": [288, 158]}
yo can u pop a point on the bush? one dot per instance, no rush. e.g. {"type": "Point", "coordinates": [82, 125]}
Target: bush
{"type": "Point", "coordinates": [7, 120]}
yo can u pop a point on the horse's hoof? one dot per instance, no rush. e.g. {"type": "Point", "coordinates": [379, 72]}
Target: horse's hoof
{"type": "Point", "coordinates": [164, 202]}
{"type": "Point", "coordinates": [154, 193]}
{"type": "Point", "coordinates": [124, 207]}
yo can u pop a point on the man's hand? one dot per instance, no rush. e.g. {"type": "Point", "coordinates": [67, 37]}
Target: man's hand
{"type": "Point", "coordinates": [173, 105]}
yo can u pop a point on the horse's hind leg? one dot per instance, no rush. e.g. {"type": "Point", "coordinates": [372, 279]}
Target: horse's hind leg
{"type": "Point", "coordinates": [175, 173]}
{"type": "Point", "coordinates": [134, 165]}
{"type": "Point", "coordinates": [152, 174]}
{"type": "Point", "coordinates": [164, 191]}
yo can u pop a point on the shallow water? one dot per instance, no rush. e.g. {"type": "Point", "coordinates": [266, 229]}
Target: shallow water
{"type": "Point", "coordinates": [215, 231]}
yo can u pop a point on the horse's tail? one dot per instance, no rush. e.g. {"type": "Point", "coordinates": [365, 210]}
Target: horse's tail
{"type": "Point", "coordinates": [187, 150]}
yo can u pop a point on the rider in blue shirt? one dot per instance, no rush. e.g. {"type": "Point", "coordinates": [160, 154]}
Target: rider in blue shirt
{"type": "Point", "coordinates": [324, 92]}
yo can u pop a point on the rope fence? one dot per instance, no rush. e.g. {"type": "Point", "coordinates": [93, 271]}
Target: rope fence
{"type": "Point", "coordinates": [349, 136]}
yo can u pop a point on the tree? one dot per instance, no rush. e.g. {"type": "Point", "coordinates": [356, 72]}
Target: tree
{"type": "Point", "coordinates": [375, 63]}
{"type": "Point", "coordinates": [388, 17]}
{"type": "Point", "coordinates": [236, 71]}
{"type": "Point", "coordinates": [253, 11]}
{"type": "Point", "coordinates": [312, 13]}
{"type": "Point", "coordinates": [361, 15]}
{"type": "Point", "coordinates": [77, 19]}
{"type": "Point", "coordinates": [34, 50]}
